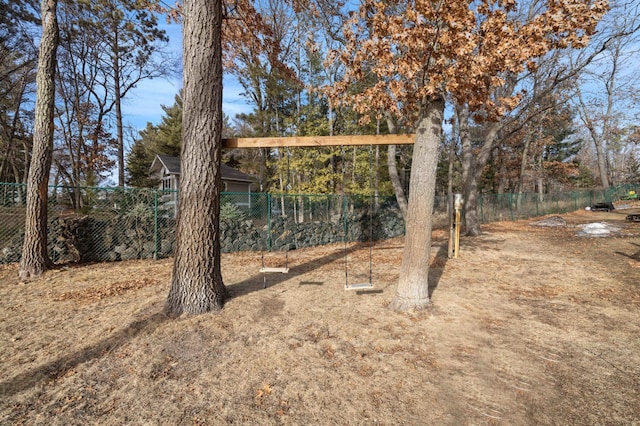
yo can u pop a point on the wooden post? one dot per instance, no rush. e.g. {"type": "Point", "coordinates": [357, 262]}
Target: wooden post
{"type": "Point", "coordinates": [452, 227]}
{"type": "Point", "coordinates": [456, 247]}
{"type": "Point", "coordinates": [456, 225]}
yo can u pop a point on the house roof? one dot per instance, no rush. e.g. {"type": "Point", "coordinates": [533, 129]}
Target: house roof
{"type": "Point", "coordinates": [172, 166]}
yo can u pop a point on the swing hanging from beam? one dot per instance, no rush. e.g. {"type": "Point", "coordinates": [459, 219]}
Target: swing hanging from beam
{"type": "Point", "coordinates": [271, 269]}
{"type": "Point", "coordinates": [369, 284]}
{"type": "Point", "coordinates": [279, 142]}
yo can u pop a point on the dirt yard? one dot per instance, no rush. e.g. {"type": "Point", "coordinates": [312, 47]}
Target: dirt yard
{"type": "Point", "coordinates": [529, 326]}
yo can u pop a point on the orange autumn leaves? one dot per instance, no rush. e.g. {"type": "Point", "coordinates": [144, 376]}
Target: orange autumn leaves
{"type": "Point", "coordinates": [419, 50]}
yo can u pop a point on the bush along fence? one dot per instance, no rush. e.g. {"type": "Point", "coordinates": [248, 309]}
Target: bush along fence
{"type": "Point", "coordinates": [111, 224]}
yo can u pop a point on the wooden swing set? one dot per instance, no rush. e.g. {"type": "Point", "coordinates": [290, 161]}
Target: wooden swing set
{"type": "Point", "coordinates": [320, 141]}
{"type": "Point", "coordinates": [310, 141]}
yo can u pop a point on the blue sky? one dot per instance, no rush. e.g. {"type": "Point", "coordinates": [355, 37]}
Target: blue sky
{"type": "Point", "coordinates": [144, 104]}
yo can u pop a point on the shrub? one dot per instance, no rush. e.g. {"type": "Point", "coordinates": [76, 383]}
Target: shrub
{"type": "Point", "coordinates": [229, 211]}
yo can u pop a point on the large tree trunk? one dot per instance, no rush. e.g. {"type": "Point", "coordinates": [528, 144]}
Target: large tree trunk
{"type": "Point", "coordinates": [35, 260]}
{"type": "Point", "coordinates": [469, 182]}
{"type": "Point", "coordinates": [398, 190]}
{"type": "Point", "coordinates": [196, 285]}
{"type": "Point", "coordinates": [118, 104]}
{"type": "Point", "coordinates": [601, 155]}
{"type": "Point", "coordinates": [598, 139]}
{"type": "Point", "coordinates": [524, 158]}
{"type": "Point", "coordinates": [540, 179]}
{"type": "Point", "coordinates": [450, 195]}
{"type": "Point", "coordinates": [395, 180]}
{"type": "Point", "coordinates": [473, 164]}
{"type": "Point", "coordinates": [413, 285]}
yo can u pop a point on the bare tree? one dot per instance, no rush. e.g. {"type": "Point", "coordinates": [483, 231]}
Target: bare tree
{"type": "Point", "coordinates": [603, 94]}
{"type": "Point", "coordinates": [107, 50]}
{"type": "Point", "coordinates": [18, 58]}
{"type": "Point", "coordinates": [425, 52]}
{"type": "Point", "coordinates": [541, 78]}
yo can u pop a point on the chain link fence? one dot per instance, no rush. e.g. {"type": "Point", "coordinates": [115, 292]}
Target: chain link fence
{"type": "Point", "coordinates": [510, 206]}
{"type": "Point", "coordinates": [89, 224]}
{"type": "Point", "coordinates": [109, 224]}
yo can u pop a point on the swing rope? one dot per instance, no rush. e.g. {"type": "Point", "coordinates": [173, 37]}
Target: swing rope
{"type": "Point", "coordinates": [284, 270]}
{"type": "Point", "coordinates": [359, 286]}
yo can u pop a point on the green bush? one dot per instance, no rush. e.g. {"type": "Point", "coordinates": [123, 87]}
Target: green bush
{"type": "Point", "coordinates": [229, 211]}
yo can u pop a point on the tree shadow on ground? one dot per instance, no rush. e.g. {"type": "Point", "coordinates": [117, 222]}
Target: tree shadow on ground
{"type": "Point", "coordinates": [58, 368]}
{"type": "Point", "coordinates": [635, 256]}
{"type": "Point", "coordinates": [435, 271]}
{"type": "Point", "coordinates": [474, 244]}
{"type": "Point", "coordinates": [255, 282]}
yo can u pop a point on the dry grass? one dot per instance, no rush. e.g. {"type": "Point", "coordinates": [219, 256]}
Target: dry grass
{"type": "Point", "coordinates": [529, 326]}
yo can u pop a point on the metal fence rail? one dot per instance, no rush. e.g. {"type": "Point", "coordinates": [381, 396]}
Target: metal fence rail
{"type": "Point", "coordinates": [88, 224]}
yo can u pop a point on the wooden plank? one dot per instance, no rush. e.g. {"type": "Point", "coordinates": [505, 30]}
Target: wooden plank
{"type": "Point", "coordinates": [282, 270]}
{"type": "Point", "coordinates": [358, 286]}
{"type": "Point", "coordinates": [306, 141]}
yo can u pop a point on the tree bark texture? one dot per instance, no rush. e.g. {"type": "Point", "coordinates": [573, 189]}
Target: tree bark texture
{"type": "Point", "coordinates": [398, 190]}
{"type": "Point", "coordinates": [450, 195]}
{"type": "Point", "coordinates": [524, 159]}
{"type": "Point", "coordinates": [395, 180]}
{"type": "Point", "coordinates": [413, 285]}
{"type": "Point", "coordinates": [197, 285]}
{"type": "Point", "coordinates": [469, 182]}
{"type": "Point", "coordinates": [35, 260]}
{"type": "Point", "coordinates": [118, 104]}
{"type": "Point", "coordinates": [601, 155]}
{"type": "Point", "coordinates": [473, 164]}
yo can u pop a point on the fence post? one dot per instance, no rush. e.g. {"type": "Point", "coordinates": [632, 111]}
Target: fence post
{"type": "Point", "coordinates": [268, 222]}
{"type": "Point", "coordinates": [156, 237]}
{"type": "Point", "coordinates": [510, 198]}
{"type": "Point", "coordinates": [344, 215]}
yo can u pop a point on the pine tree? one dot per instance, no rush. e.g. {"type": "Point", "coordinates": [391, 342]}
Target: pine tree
{"type": "Point", "coordinates": [35, 259]}
{"type": "Point", "coordinates": [139, 162]}
{"type": "Point", "coordinates": [168, 138]}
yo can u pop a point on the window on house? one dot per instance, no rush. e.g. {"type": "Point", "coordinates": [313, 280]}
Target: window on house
{"type": "Point", "coordinates": [166, 183]}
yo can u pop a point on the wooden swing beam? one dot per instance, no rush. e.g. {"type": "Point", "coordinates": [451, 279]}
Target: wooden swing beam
{"type": "Point", "coordinates": [306, 141]}
{"type": "Point", "coordinates": [316, 141]}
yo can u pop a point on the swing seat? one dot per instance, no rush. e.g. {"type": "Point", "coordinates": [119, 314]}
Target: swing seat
{"type": "Point", "coordinates": [358, 286]}
{"type": "Point", "coordinates": [281, 270]}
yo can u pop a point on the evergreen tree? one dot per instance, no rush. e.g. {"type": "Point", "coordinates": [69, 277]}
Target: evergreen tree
{"type": "Point", "coordinates": [558, 127]}
{"type": "Point", "coordinates": [632, 169]}
{"type": "Point", "coordinates": [35, 259]}
{"type": "Point", "coordinates": [584, 177]}
{"type": "Point", "coordinates": [168, 138]}
{"type": "Point", "coordinates": [164, 139]}
{"type": "Point", "coordinates": [140, 158]}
